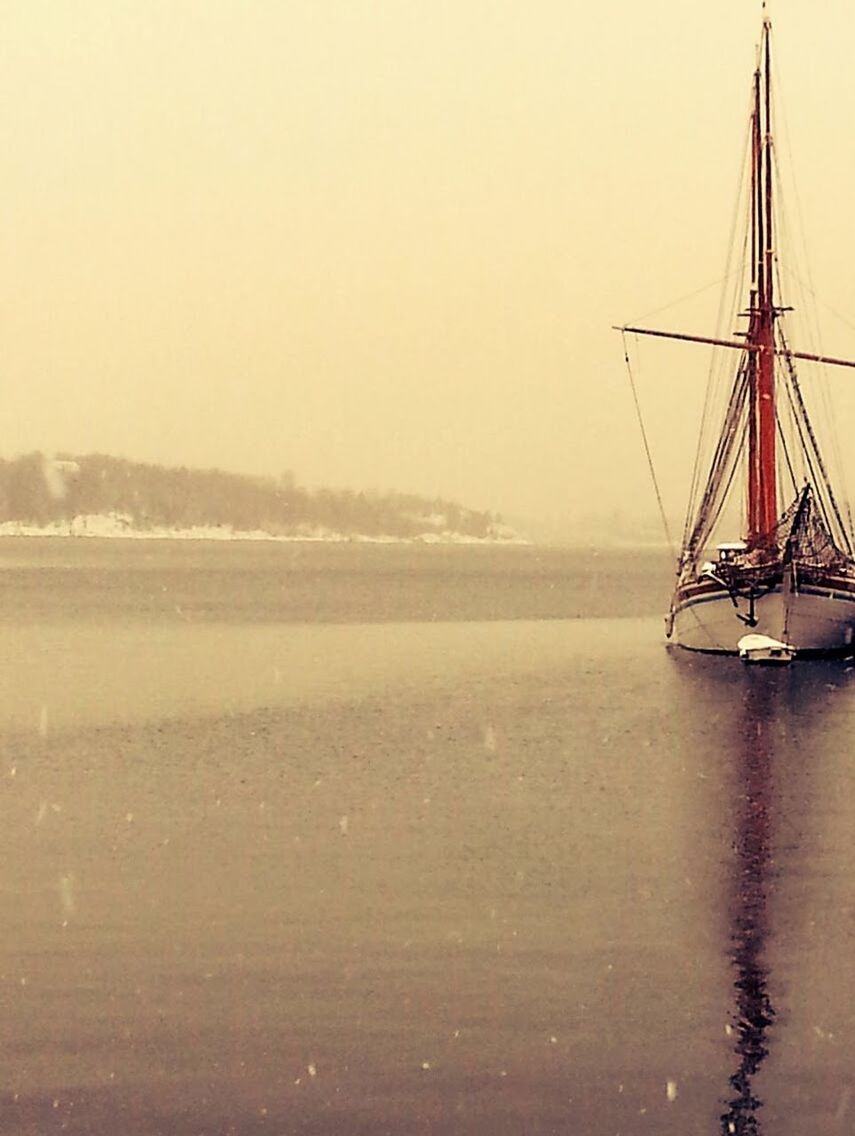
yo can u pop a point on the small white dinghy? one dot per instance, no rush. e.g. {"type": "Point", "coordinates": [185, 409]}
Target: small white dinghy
{"type": "Point", "coordinates": [764, 649]}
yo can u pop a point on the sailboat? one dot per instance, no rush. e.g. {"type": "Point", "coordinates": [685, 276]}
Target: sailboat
{"type": "Point", "coordinates": [786, 586]}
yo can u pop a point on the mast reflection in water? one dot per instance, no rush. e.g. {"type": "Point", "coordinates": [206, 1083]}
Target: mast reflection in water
{"type": "Point", "coordinates": [754, 1013]}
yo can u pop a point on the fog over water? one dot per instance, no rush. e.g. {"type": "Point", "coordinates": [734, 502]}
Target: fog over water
{"type": "Point", "coordinates": [383, 245]}
{"type": "Point", "coordinates": [351, 840]}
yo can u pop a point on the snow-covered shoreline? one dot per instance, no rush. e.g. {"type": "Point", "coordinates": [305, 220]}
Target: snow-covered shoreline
{"type": "Point", "coordinates": [116, 526]}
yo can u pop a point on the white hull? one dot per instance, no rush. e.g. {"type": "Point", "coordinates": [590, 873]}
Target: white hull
{"type": "Point", "coordinates": [821, 620]}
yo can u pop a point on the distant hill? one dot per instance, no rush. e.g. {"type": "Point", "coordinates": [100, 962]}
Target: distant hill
{"type": "Point", "coordinates": [99, 494]}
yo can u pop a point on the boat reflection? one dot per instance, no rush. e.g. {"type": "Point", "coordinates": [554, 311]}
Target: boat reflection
{"type": "Point", "coordinates": [754, 1013]}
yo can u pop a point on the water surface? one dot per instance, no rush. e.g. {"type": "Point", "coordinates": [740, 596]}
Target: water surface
{"type": "Point", "coordinates": [301, 870]}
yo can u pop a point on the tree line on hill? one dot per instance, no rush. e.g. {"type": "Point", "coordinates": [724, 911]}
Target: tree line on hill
{"type": "Point", "coordinates": [40, 490]}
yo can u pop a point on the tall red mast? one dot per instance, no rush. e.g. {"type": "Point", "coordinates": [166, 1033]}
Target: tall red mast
{"type": "Point", "coordinates": [762, 472]}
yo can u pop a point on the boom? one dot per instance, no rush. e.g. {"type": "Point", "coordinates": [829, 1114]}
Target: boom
{"type": "Point", "coordinates": [738, 345]}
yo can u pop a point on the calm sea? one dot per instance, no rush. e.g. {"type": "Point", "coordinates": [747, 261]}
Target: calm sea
{"type": "Point", "coordinates": [345, 840]}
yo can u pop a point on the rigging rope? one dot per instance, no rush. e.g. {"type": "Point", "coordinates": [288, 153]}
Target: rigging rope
{"type": "Point", "coordinates": [811, 313]}
{"type": "Point", "coordinates": [684, 299]}
{"type": "Point", "coordinates": [785, 450]}
{"type": "Point", "coordinates": [650, 465]}
{"type": "Point", "coordinates": [730, 445]}
{"type": "Point", "coordinates": [825, 483]}
{"type": "Point", "coordinates": [727, 310]}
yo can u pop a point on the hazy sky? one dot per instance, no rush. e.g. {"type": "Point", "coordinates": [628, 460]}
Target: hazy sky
{"type": "Point", "coordinates": [382, 243]}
